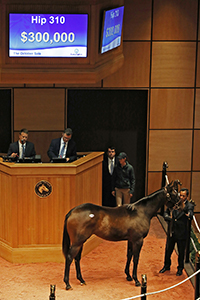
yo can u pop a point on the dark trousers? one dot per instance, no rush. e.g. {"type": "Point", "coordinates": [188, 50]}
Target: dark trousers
{"type": "Point", "coordinates": [171, 241]}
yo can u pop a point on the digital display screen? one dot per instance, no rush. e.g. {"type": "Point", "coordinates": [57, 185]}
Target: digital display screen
{"type": "Point", "coordinates": [112, 29]}
{"type": "Point", "coordinates": [48, 35]}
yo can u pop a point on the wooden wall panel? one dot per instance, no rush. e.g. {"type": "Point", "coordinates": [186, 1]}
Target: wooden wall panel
{"type": "Point", "coordinates": [196, 189]}
{"type": "Point", "coordinates": [135, 71]}
{"type": "Point", "coordinates": [171, 108]}
{"type": "Point", "coordinates": [155, 179]}
{"type": "Point", "coordinates": [197, 110]}
{"type": "Point", "coordinates": [196, 151]}
{"type": "Point", "coordinates": [39, 109]}
{"type": "Point", "coordinates": [64, 85]}
{"type": "Point", "coordinates": [198, 67]}
{"type": "Point", "coordinates": [170, 19]}
{"type": "Point", "coordinates": [137, 20]}
{"type": "Point", "coordinates": [173, 146]}
{"type": "Point", "coordinates": [173, 64]}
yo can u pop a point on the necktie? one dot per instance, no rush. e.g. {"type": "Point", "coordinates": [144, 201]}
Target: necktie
{"type": "Point", "coordinates": [23, 151]}
{"type": "Point", "coordinates": [62, 150]}
{"type": "Point", "coordinates": [111, 167]}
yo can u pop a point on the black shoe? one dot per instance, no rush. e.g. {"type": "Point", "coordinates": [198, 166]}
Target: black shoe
{"type": "Point", "coordinates": [164, 269]}
{"type": "Point", "coordinates": [179, 273]}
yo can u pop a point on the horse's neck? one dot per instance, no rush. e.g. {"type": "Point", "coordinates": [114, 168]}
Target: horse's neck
{"type": "Point", "coordinates": [154, 202]}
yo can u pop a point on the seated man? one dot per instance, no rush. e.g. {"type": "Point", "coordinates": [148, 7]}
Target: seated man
{"type": "Point", "coordinates": [63, 147]}
{"type": "Point", "coordinates": [22, 148]}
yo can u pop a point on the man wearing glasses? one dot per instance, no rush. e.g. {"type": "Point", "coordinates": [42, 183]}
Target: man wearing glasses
{"type": "Point", "coordinates": [63, 147]}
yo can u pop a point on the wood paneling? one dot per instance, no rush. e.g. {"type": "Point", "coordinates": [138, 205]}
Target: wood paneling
{"type": "Point", "coordinates": [196, 189]}
{"type": "Point", "coordinates": [135, 71]}
{"type": "Point", "coordinates": [175, 20]}
{"type": "Point", "coordinates": [28, 221]}
{"type": "Point", "coordinates": [173, 64]}
{"type": "Point", "coordinates": [171, 108]}
{"type": "Point", "coordinates": [155, 179]}
{"type": "Point", "coordinates": [64, 85]}
{"type": "Point", "coordinates": [60, 70]}
{"type": "Point", "coordinates": [197, 110]}
{"type": "Point", "coordinates": [198, 66]}
{"type": "Point", "coordinates": [173, 146]}
{"type": "Point", "coordinates": [39, 85]}
{"type": "Point", "coordinates": [39, 109]}
{"type": "Point", "coordinates": [137, 20]}
{"type": "Point", "coordinates": [196, 151]}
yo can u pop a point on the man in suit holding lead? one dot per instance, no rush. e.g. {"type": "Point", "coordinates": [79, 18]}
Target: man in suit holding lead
{"type": "Point", "coordinates": [22, 148]}
{"type": "Point", "coordinates": [178, 219]}
{"type": "Point", "coordinates": [63, 147]}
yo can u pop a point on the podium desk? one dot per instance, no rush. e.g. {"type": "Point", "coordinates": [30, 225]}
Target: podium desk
{"type": "Point", "coordinates": [34, 199]}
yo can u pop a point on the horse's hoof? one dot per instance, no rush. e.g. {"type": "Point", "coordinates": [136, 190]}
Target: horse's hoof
{"type": "Point", "coordinates": [137, 283]}
{"type": "Point", "coordinates": [68, 287]}
{"type": "Point", "coordinates": [129, 278]}
{"type": "Point", "coordinates": [83, 283]}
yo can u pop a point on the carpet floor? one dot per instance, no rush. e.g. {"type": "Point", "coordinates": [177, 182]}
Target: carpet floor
{"type": "Point", "coordinates": [103, 271]}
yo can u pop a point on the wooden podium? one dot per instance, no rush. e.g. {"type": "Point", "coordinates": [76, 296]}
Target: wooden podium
{"type": "Point", "coordinates": [34, 199]}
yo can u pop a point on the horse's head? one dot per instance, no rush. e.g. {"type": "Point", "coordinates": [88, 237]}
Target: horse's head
{"type": "Point", "coordinates": [172, 193]}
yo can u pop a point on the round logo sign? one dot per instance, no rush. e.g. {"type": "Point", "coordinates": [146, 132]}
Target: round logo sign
{"type": "Point", "coordinates": [43, 189]}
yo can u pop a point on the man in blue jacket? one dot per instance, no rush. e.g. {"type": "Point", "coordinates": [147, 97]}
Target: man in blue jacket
{"type": "Point", "coordinates": [63, 147]}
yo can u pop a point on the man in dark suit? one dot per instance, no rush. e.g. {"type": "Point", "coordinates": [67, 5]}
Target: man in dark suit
{"type": "Point", "coordinates": [63, 147]}
{"type": "Point", "coordinates": [109, 163]}
{"type": "Point", "coordinates": [178, 219]}
{"type": "Point", "coordinates": [22, 148]}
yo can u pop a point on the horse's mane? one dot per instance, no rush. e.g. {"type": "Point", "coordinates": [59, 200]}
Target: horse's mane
{"type": "Point", "coordinates": [143, 200]}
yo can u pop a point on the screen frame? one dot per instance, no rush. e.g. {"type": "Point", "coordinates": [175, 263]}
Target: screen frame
{"type": "Point", "coordinates": [103, 27]}
{"type": "Point", "coordinates": [47, 57]}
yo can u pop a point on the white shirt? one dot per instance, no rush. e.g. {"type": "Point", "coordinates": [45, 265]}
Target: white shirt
{"type": "Point", "coordinates": [109, 164]}
{"type": "Point", "coordinates": [21, 149]}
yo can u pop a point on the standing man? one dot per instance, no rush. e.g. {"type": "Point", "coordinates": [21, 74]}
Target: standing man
{"type": "Point", "coordinates": [109, 162]}
{"type": "Point", "coordinates": [22, 148]}
{"type": "Point", "coordinates": [63, 147]}
{"type": "Point", "coordinates": [178, 231]}
{"type": "Point", "coordinates": [123, 180]}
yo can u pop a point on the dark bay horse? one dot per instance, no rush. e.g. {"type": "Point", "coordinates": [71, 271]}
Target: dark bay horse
{"type": "Point", "coordinates": [128, 222]}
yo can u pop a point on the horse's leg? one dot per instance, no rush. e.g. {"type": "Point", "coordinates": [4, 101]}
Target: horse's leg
{"type": "Point", "coordinates": [73, 250]}
{"type": "Point", "coordinates": [136, 254]}
{"type": "Point", "coordinates": [78, 267]}
{"type": "Point", "coordinates": [129, 257]}
{"type": "Point", "coordinates": [68, 261]}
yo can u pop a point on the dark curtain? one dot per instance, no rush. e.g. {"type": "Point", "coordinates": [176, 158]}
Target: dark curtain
{"type": "Point", "coordinates": [5, 119]}
{"type": "Point", "coordinates": [103, 118]}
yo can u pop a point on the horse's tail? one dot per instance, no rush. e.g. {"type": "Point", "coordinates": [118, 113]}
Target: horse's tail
{"type": "Point", "coordinates": [66, 238]}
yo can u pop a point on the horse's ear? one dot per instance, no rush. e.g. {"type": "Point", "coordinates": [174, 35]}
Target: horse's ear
{"type": "Point", "coordinates": [169, 185]}
{"type": "Point", "coordinates": [177, 181]}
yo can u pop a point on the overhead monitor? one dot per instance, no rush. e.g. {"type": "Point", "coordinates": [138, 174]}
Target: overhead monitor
{"type": "Point", "coordinates": [48, 35]}
{"type": "Point", "coordinates": [112, 28]}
